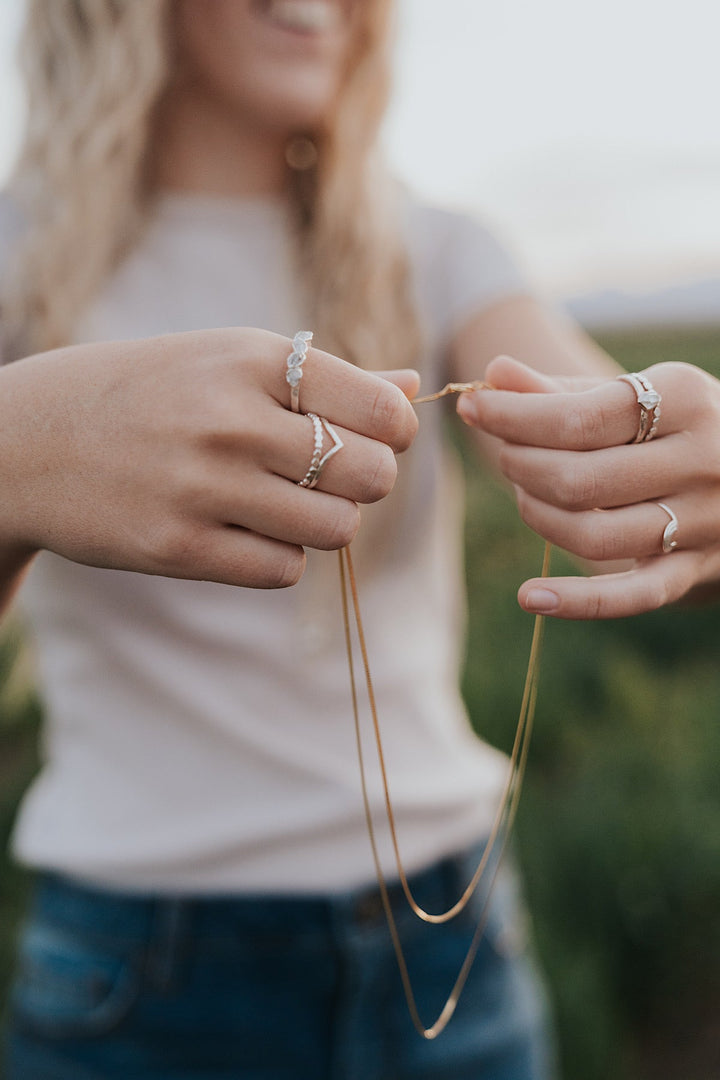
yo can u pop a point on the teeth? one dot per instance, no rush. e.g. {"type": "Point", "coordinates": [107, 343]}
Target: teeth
{"type": "Point", "coordinates": [311, 15]}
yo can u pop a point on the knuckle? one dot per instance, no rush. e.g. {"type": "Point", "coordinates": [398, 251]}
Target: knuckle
{"type": "Point", "coordinates": [582, 426]}
{"type": "Point", "coordinates": [409, 429]}
{"type": "Point", "coordinates": [525, 509]}
{"type": "Point", "coordinates": [172, 549]}
{"type": "Point", "coordinates": [678, 373]}
{"type": "Point", "coordinates": [599, 606]}
{"type": "Point", "coordinates": [594, 606]}
{"type": "Point", "coordinates": [710, 407]}
{"type": "Point", "coordinates": [649, 592]}
{"type": "Point", "coordinates": [384, 410]}
{"type": "Point", "coordinates": [706, 464]}
{"type": "Point", "coordinates": [219, 422]}
{"type": "Point", "coordinates": [686, 381]}
{"type": "Point", "coordinates": [393, 420]}
{"type": "Point", "coordinates": [209, 434]}
{"type": "Point", "coordinates": [598, 540]}
{"type": "Point", "coordinates": [510, 463]}
{"type": "Point", "coordinates": [285, 570]}
{"type": "Point", "coordinates": [658, 594]}
{"type": "Point", "coordinates": [576, 488]}
{"type": "Point", "coordinates": [533, 514]}
{"type": "Point", "coordinates": [206, 407]}
{"type": "Point", "coordinates": [700, 454]}
{"type": "Point", "coordinates": [380, 480]}
{"type": "Point", "coordinates": [339, 527]}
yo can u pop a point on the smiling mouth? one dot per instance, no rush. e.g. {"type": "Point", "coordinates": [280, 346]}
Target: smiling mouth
{"type": "Point", "coordinates": [302, 16]}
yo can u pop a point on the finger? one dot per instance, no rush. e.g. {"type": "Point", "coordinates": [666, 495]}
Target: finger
{"type": "Point", "coordinates": [506, 373]}
{"type": "Point", "coordinates": [361, 401]}
{"type": "Point", "coordinates": [606, 414]}
{"type": "Point", "coordinates": [589, 420]}
{"type": "Point", "coordinates": [407, 379]}
{"type": "Point", "coordinates": [234, 556]}
{"type": "Point", "coordinates": [616, 476]}
{"type": "Point", "coordinates": [629, 532]}
{"type": "Point", "coordinates": [653, 583]}
{"type": "Point", "coordinates": [289, 513]}
{"type": "Point", "coordinates": [363, 470]}
{"type": "Point", "coordinates": [277, 441]}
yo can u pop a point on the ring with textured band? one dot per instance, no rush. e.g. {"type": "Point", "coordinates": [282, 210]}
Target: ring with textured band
{"type": "Point", "coordinates": [295, 360]}
{"type": "Point", "coordinates": [649, 401]}
{"type": "Point", "coordinates": [319, 460]}
{"type": "Point", "coordinates": [669, 536]}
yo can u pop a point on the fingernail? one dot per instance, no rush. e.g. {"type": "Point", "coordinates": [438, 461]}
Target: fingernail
{"type": "Point", "coordinates": [541, 601]}
{"type": "Point", "coordinates": [466, 408]}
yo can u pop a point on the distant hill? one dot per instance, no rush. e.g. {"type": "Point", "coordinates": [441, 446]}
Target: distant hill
{"type": "Point", "coordinates": [690, 304]}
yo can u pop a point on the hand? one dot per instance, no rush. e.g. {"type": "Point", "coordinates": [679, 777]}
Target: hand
{"type": "Point", "coordinates": [179, 456]}
{"type": "Point", "coordinates": [584, 486]}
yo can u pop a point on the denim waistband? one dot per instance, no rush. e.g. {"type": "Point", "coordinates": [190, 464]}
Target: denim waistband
{"type": "Point", "coordinates": [131, 916]}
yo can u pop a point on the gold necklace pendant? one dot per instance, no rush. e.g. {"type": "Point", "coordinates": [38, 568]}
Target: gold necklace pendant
{"type": "Point", "coordinates": [509, 800]}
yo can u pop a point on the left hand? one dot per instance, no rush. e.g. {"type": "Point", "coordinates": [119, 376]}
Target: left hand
{"type": "Point", "coordinates": [585, 486]}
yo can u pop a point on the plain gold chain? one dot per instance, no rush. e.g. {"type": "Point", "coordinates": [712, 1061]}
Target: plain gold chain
{"type": "Point", "coordinates": [509, 799]}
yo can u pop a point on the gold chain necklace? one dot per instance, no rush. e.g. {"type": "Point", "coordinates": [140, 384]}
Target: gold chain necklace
{"type": "Point", "coordinates": [507, 808]}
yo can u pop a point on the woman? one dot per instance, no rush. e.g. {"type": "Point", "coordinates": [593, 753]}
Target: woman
{"type": "Point", "coordinates": [205, 904]}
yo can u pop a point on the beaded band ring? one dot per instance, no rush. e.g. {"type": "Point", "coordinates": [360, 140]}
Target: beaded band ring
{"type": "Point", "coordinates": [320, 460]}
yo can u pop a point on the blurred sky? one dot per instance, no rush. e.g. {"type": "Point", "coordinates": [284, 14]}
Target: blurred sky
{"type": "Point", "coordinates": [588, 131]}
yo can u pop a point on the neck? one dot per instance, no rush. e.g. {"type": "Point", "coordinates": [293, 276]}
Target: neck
{"type": "Point", "coordinates": [201, 149]}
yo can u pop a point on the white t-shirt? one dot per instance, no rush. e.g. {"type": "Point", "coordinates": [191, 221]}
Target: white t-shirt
{"type": "Point", "coordinates": [199, 737]}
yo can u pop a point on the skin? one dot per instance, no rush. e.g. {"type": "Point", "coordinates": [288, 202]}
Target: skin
{"type": "Point", "coordinates": [178, 455]}
{"type": "Point", "coordinates": [241, 87]}
{"type": "Point", "coordinates": [564, 441]}
{"type": "Point", "coordinates": [134, 472]}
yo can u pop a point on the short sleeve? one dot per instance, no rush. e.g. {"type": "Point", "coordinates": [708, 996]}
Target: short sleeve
{"type": "Point", "coordinates": [459, 268]}
{"type": "Point", "coordinates": [11, 230]}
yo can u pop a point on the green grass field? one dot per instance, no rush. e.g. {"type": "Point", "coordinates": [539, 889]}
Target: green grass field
{"type": "Point", "coordinates": [619, 827]}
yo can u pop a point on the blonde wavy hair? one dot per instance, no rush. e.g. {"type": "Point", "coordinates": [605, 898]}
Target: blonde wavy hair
{"type": "Point", "coordinates": [94, 72]}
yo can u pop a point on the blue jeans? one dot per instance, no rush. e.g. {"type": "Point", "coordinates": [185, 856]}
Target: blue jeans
{"type": "Point", "coordinates": [270, 988]}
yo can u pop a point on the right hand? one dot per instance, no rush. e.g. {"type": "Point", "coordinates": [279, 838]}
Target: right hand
{"type": "Point", "coordinates": [178, 455]}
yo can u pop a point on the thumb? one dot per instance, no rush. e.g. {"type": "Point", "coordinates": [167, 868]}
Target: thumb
{"type": "Point", "coordinates": [504, 373]}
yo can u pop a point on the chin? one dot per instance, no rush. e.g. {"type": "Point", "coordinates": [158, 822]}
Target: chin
{"type": "Point", "coordinates": [296, 108]}
{"type": "Point", "coordinates": [278, 62]}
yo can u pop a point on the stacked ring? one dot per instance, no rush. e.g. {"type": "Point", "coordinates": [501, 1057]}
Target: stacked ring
{"type": "Point", "coordinates": [669, 536]}
{"type": "Point", "coordinates": [649, 401]}
{"type": "Point", "coordinates": [320, 460]}
{"type": "Point", "coordinates": [295, 360]}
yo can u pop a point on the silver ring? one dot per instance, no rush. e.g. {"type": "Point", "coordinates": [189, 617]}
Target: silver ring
{"type": "Point", "coordinates": [649, 401]}
{"type": "Point", "coordinates": [320, 460]}
{"type": "Point", "coordinates": [669, 542]}
{"type": "Point", "coordinates": [295, 360]}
